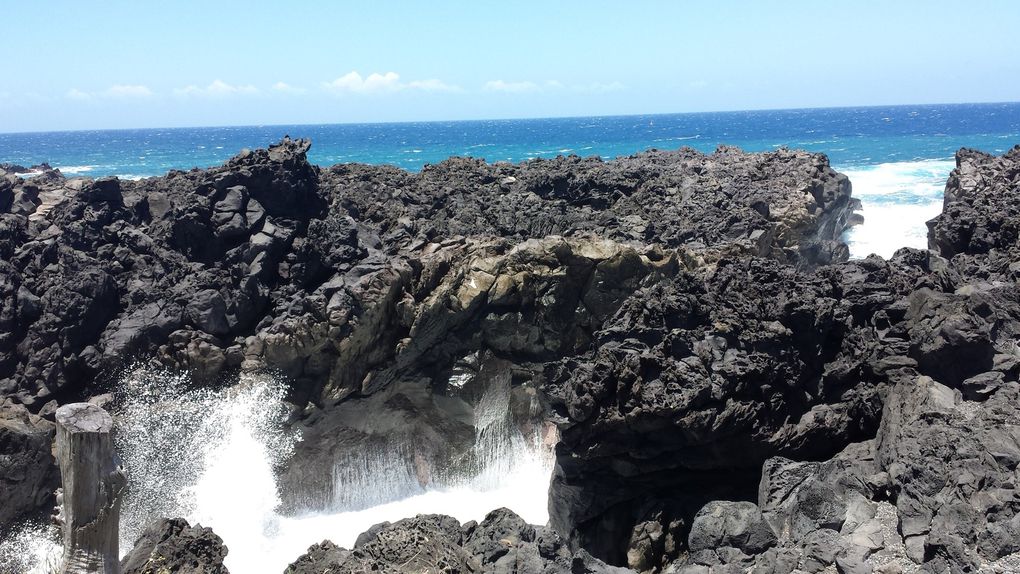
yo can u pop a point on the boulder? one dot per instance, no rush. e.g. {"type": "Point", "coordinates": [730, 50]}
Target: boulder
{"type": "Point", "coordinates": [28, 471]}
{"type": "Point", "coordinates": [173, 545]}
{"type": "Point", "coordinates": [737, 525]}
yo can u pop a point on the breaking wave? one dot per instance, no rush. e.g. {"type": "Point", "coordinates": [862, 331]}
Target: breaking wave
{"type": "Point", "coordinates": [897, 199]}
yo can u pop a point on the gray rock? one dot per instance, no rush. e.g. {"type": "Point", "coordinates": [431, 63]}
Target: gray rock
{"type": "Point", "coordinates": [735, 524]}
{"type": "Point", "coordinates": [953, 464]}
{"type": "Point", "coordinates": [28, 472]}
{"type": "Point", "coordinates": [173, 545]}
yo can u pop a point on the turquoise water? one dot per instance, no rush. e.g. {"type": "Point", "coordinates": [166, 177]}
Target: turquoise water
{"type": "Point", "coordinates": [898, 157]}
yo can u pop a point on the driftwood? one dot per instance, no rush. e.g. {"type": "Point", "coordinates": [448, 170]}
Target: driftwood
{"type": "Point", "coordinates": [93, 482]}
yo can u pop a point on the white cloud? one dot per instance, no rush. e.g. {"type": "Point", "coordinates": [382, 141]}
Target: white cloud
{"type": "Point", "coordinates": [432, 85]}
{"type": "Point", "coordinates": [286, 88]}
{"type": "Point", "coordinates": [511, 87]}
{"type": "Point", "coordinates": [118, 91]}
{"type": "Point", "coordinates": [698, 84]}
{"type": "Point", "coordinates": [353, 82]}
{"type": "Point", "coordinates": [217, 89]}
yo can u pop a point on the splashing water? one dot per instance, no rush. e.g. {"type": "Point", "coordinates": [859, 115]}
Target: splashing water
{"type": "Point", "coordinates": [211, 456]}
{"type": "Point", "coordinates": [897, 199]}
{"type": "Point", "coordinates": [35, 548]}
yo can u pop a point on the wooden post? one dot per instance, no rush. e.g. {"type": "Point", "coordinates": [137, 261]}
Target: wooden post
{"type": "Point", "coordinates": [93, 482]}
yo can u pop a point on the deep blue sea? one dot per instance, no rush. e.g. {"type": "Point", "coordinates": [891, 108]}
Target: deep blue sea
{"type": "Point", "coordinates": [897, 157]}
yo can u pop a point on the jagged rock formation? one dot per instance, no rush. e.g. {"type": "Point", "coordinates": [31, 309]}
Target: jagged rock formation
{"type": "Point", "coordinates": [361, 278]}
{"type": "Point", "coordinates": [28, 473]}
{"type": "Point", "coordinates": [978, 224]}
{"type": "Point", "coordinates": [730, 393]}
{"type": "Point", "coordinates": [173, 545]}
{"type": "Point", "coordinates": [501, 543]}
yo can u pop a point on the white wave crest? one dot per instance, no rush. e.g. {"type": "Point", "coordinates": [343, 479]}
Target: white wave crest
{"type": "Point", "coordinates": [75, 169]}
{"type": "Point", "coordinates": [897, 199]}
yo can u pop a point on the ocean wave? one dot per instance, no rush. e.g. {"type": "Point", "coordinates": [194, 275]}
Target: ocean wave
{"type": "Point", "coordinates": [676, 138]}
{"type": "Point", "coordinates": [75, 169]}
{"type": "Point", "coordinates": [897, 198]}
{"type": "Point", "coordinates": [921, 177]}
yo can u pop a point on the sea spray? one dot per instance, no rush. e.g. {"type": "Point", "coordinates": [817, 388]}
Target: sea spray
{"type": "Point", "coordinates": [897, 199]}
{"type": "Point", "coordinates": [34, 548]}
{"type": "Point", "coordinates": [204, 454]}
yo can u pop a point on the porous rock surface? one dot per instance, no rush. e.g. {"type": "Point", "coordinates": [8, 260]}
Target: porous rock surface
{"type": "Point", "coordinates": [173, 545]}
{"type": "Point", "coordinates": [502, 543]}
{"type": "Point", "coordinates": [731, 394]}
{"type": "Point", "coordinates": [28, 472]}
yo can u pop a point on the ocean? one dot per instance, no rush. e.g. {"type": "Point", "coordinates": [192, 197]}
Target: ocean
{"type": "Point", "coordinates": [898, 157]}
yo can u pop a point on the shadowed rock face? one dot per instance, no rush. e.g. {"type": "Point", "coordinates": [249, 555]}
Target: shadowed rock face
{"type": "Point", "coordinates": [980, 212]}
{"type": "Point", "coordinates": [730, 393]}
{"type": "Point", "coordinates": [28, 472]}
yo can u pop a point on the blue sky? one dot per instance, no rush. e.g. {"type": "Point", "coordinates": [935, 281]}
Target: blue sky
{"type": "Point", "coordinates": [119, 64]}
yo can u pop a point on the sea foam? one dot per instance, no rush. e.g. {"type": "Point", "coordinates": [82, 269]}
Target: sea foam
{"type": "Point", "coordinates": [897, 199]}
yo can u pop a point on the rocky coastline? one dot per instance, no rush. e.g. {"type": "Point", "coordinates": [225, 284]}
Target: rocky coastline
{"type": "Point", "coordinates": [729, 392]}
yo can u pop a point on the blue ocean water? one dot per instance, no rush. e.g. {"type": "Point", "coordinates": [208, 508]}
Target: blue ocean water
{"type": "Point", "coordinates": [898, 157]}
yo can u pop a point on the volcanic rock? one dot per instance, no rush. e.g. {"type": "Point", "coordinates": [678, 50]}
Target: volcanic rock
{"type": "Point", "coordinates": [28, 472]}
{"type": "Point", "coordinates": [173, 545]}
{"type": "Point", "coordinates": [502, 543]}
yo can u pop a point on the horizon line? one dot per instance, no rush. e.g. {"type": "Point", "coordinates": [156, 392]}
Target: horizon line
{"type": "Point", "coordinates": [511, 119]}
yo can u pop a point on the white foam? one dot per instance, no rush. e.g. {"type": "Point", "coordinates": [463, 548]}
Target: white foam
{"type": "Point", "coordinates": [75, 169]}
{"type": "Point", "coordinates": [35, 549]}
{"type": "Point", "coordinates": [897, 199]}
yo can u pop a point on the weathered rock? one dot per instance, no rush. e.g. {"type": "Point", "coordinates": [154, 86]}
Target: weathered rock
{"type": "Point", "coordinates": [979, 212]}
{"type": "Point", "coordinates": [173, 545]}
{"type": "Point", "coordinates": [28, 472]}
{"type": "Point", "coordinates": [322, 558]}
{"type": "Point", "coordinates": [690, 396]}
{"type": "Point", "coordinates": [954, 466]}
{"type": "Point", "coordinates": [738, 525]}
{"type": "Point", "coordinates": [502, 544]}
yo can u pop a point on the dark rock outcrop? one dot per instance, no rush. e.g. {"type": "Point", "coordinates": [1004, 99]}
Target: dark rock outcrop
{"type": "Point", "coordinates": [502, 543]}
{"type": "Point", "coordinates": [270, 261]}
{"type": "Point", "coordinates": [28, 472]}
{"type": "Point", "coordinates": [173, 545]}
{"type": "Point", "coordinates": [980, 213]}
{"type": "Point", "coordinates": [743, 366]}
{"type": "Point", "coordinates": [356, 280]}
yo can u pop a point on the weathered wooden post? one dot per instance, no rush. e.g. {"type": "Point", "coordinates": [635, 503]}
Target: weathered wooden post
{"type": "Point", "coordinates": [93, 482]}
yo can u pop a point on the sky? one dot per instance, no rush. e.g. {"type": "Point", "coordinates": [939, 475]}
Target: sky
{"type": "Point", "coordinates": [80, 64]}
